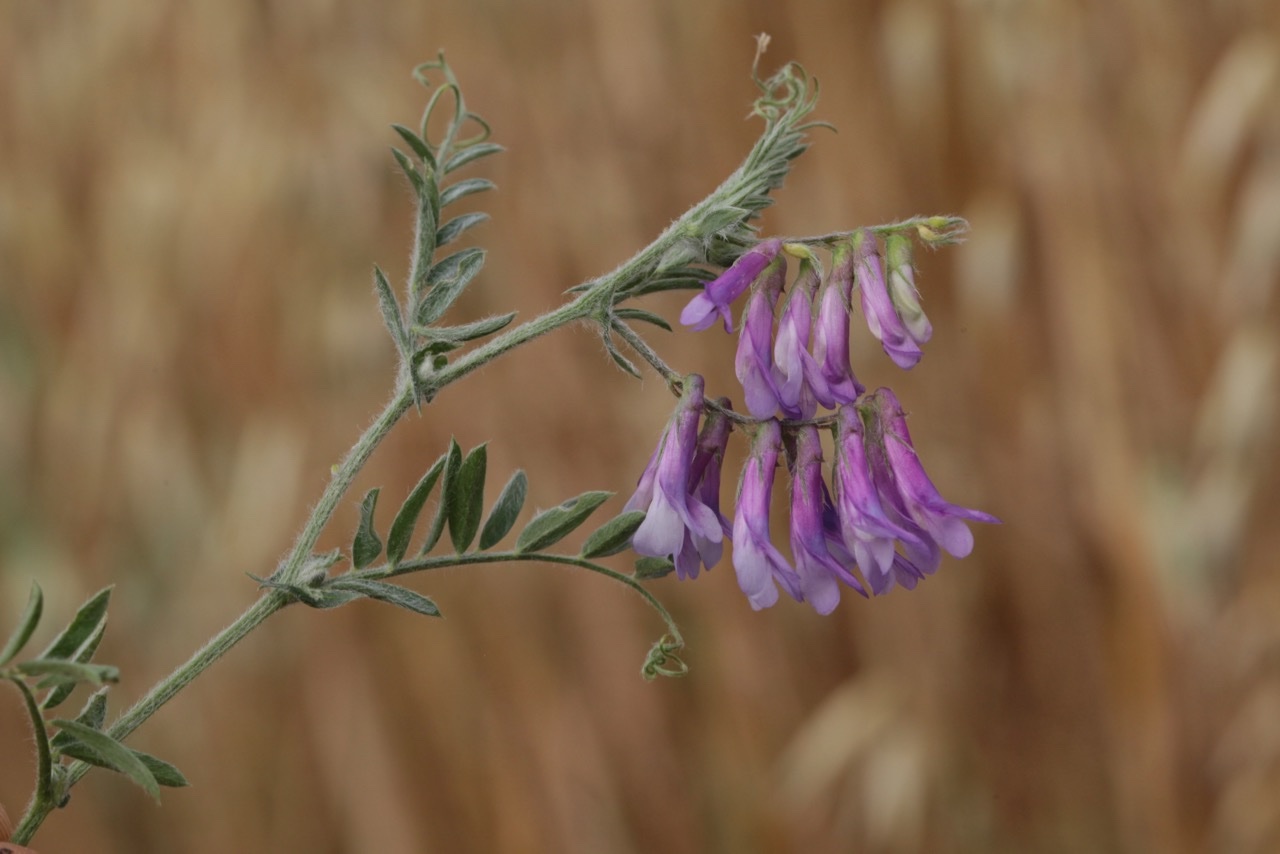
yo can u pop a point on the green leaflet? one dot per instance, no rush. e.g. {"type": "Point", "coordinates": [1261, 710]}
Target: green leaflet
{"type": "Point", "coordinates": [505, 510]}
{"type": "Point", "coordinates": [446, 281]}
{"type": "Point", "coordinates": [453, 462]}
{"type": "Point", "coordinates": [613, 536]}
{"type": "Point", "coordinates": [113, 754]}
{"type": "Point", "coordinates": [366, 546]}
{"type": "Point", "coordinates": [26, 625]}
{"type": "Point", "coordinates": [407, 517]}
{"type": "Point", "coordinates": [81, 628]}
{"type": "Point", "coordinates": [466, 503]}
{"type": "Point", "coordinates": [551, 526]}
{"type": "Point", "coordinates": [393, 594]}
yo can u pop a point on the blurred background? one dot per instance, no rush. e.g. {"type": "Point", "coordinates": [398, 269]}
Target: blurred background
{"type": "Point", "coordinates": [191, 201]}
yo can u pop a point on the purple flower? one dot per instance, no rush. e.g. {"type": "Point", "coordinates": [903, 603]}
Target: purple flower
{"type": "Point", "coordinates": [721, 292]}
{"type": "Point", "coordinates": [704, 481]}
{"type": "Point", "coordinates": [819, 571]}
{"type": "Point", "coordinates": [867, 529]}
{"type": "Point", "coordinates": [878, 308]}
{"type": "Point", "coordinates": [944, 522]}
{"type": "Point", "coordinates": [754, 361]}
{"type": "Point", "coordinates": [831, 335]}
{"type": "Point", "coordinates": [755, 559]}
{"type": "Point", "coordinates": [902, 287]}
{"type": "Point", "coordinates": [796, 374]}
{"type": "Point", "coordinates": [676, 518]}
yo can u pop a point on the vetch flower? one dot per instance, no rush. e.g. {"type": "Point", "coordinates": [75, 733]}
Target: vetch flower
{"type": "Point", "coordinates": [878, 308]}
{"type": "Point", "coordinates": [676, 519]}
{"type": "Point", "coordinates": [902, 288]}
{"type": "Point", "coordinates": [704, 480]}
{"type": "Point", "coordinates": [867, 529]}
{"type": "Point", "coordinates": [756, 561]}
{"type": "Point", "coordinates": [943, 521]}
{"type": "Point", "coordinates": [920, 555]}
{"type": "Point", "coordinates": [795, 371]}
{"type": "Point", "coordinates": [831, 334]}
{"type": "Point", "coordinates": [720, 293]}
{"type": "Point", "coordinates": [754, 361]}
{"type": "Point", "coordinates": [819, 571]}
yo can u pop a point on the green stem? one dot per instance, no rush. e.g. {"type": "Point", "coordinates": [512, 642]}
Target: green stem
{"type": "Point", "coordinates": [343, 474]}
{"type": "Point", "coordinates": [43, 798]}
{"type": "Point", "coordinates": [583, 306]}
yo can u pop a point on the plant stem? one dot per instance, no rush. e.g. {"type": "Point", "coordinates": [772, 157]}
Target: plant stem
{"type": "Point", "coordinates": [343, 474]}
{"type": "Point", "coordinates": [424, 564]}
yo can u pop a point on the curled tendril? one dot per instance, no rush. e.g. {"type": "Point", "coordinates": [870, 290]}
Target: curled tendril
{"type": "Point", "coordinates": [460, 115]}
{"type": "Point", "coordinates": [790, 87]}
{"type": "Point", "coordinates": [664, 659]}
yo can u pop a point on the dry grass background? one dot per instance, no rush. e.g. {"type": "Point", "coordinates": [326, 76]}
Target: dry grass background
{"type": "Point", "coordinates": [191, 198]}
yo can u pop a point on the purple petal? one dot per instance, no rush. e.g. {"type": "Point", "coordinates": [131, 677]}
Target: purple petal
{"type": "Point", "coordinates": [701, 312]}
{"type": "Point", "coordinates": [661, 534]}
{"type": "Point", "coordinates": [721, 292]}
{"type": "Point", "coordinates": [877, 307]}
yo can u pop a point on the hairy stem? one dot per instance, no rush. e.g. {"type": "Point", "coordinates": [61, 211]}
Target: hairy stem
{"type": "Point", "coordinates": [343, 474]}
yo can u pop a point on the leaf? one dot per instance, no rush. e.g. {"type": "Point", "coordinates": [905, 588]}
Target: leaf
{"type": "Point", "coordinates": [470, 153]}
{"type": "Point", "coordinates": [681, 252]}
{"type": "Point", "coordinates": [419, 147]}
{"type": "Point", "coordinates": [26, 625]}
{"type": "Point", "coordinates": [468, 187]}
{"type": "Point", "coordinates": [454, 228]}
{"type": "Point", "coordinates": [446, 282]}
{"type": "Point", "coordinates": [641, 314]}
{"type": "Point", "coordinates": [424, 238]}
{"type": "Point", "coordinates": [56, 671]}
{"type": "Point", "coordinates": [674, 279]}
{"type": "Point", "coordinates": [648, 568]}
{"type": "Point", "coordinates": [466, 499]}
{"type": "Point", "coordinates": [327, 598]}
{"type": "Point", "coordinates": [44, 757]}
{"type": "Point", "coordinates": [82, 655]}
{"type": "Point", "coordinates": [114, 755]}
{"type": "Point", "coordinates": [419, 185]}
{"type": "Point", "coordinates": [453, 462]}
{"type": "Point", "coordinates": [719, 218]}
{"type": "Point", "coordinates": [621, 360]}
{"type": "Point", "coordinates": [366, 546]}
{"type": "Point", "coordinates": [407, 516]}
{"type": "Point", "coordinates": [391, 313]}
{"type": "Point", "coordinates": [164, 772]}
{"type": "Point", "coordinates": [391, 593]}
{"type": "Point", "coordinates": [82, 626]}
{"type": "Point", "coordinates": [553, 525]}
{"type": "Point", "coordinates": [505, 510]}
{"type": "Point", "coordinates": [613, 536]}
{"type": "Point", "coordinates": [94, 714]}
{"type": "Point", "coordinates": [455, 335]}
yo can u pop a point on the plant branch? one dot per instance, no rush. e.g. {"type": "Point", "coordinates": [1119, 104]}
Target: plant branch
{"type": "Point", "coordinates": [425, 564]}
{"type": "Point", "coordinates": [161, 693]}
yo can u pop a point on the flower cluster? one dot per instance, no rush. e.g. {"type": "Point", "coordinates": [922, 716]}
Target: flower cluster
{"type": "Point", "coordinates": [881, 522]}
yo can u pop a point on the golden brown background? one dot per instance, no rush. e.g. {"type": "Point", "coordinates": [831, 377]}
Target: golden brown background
{"type": "Point", "coordinates": [191, 199]}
